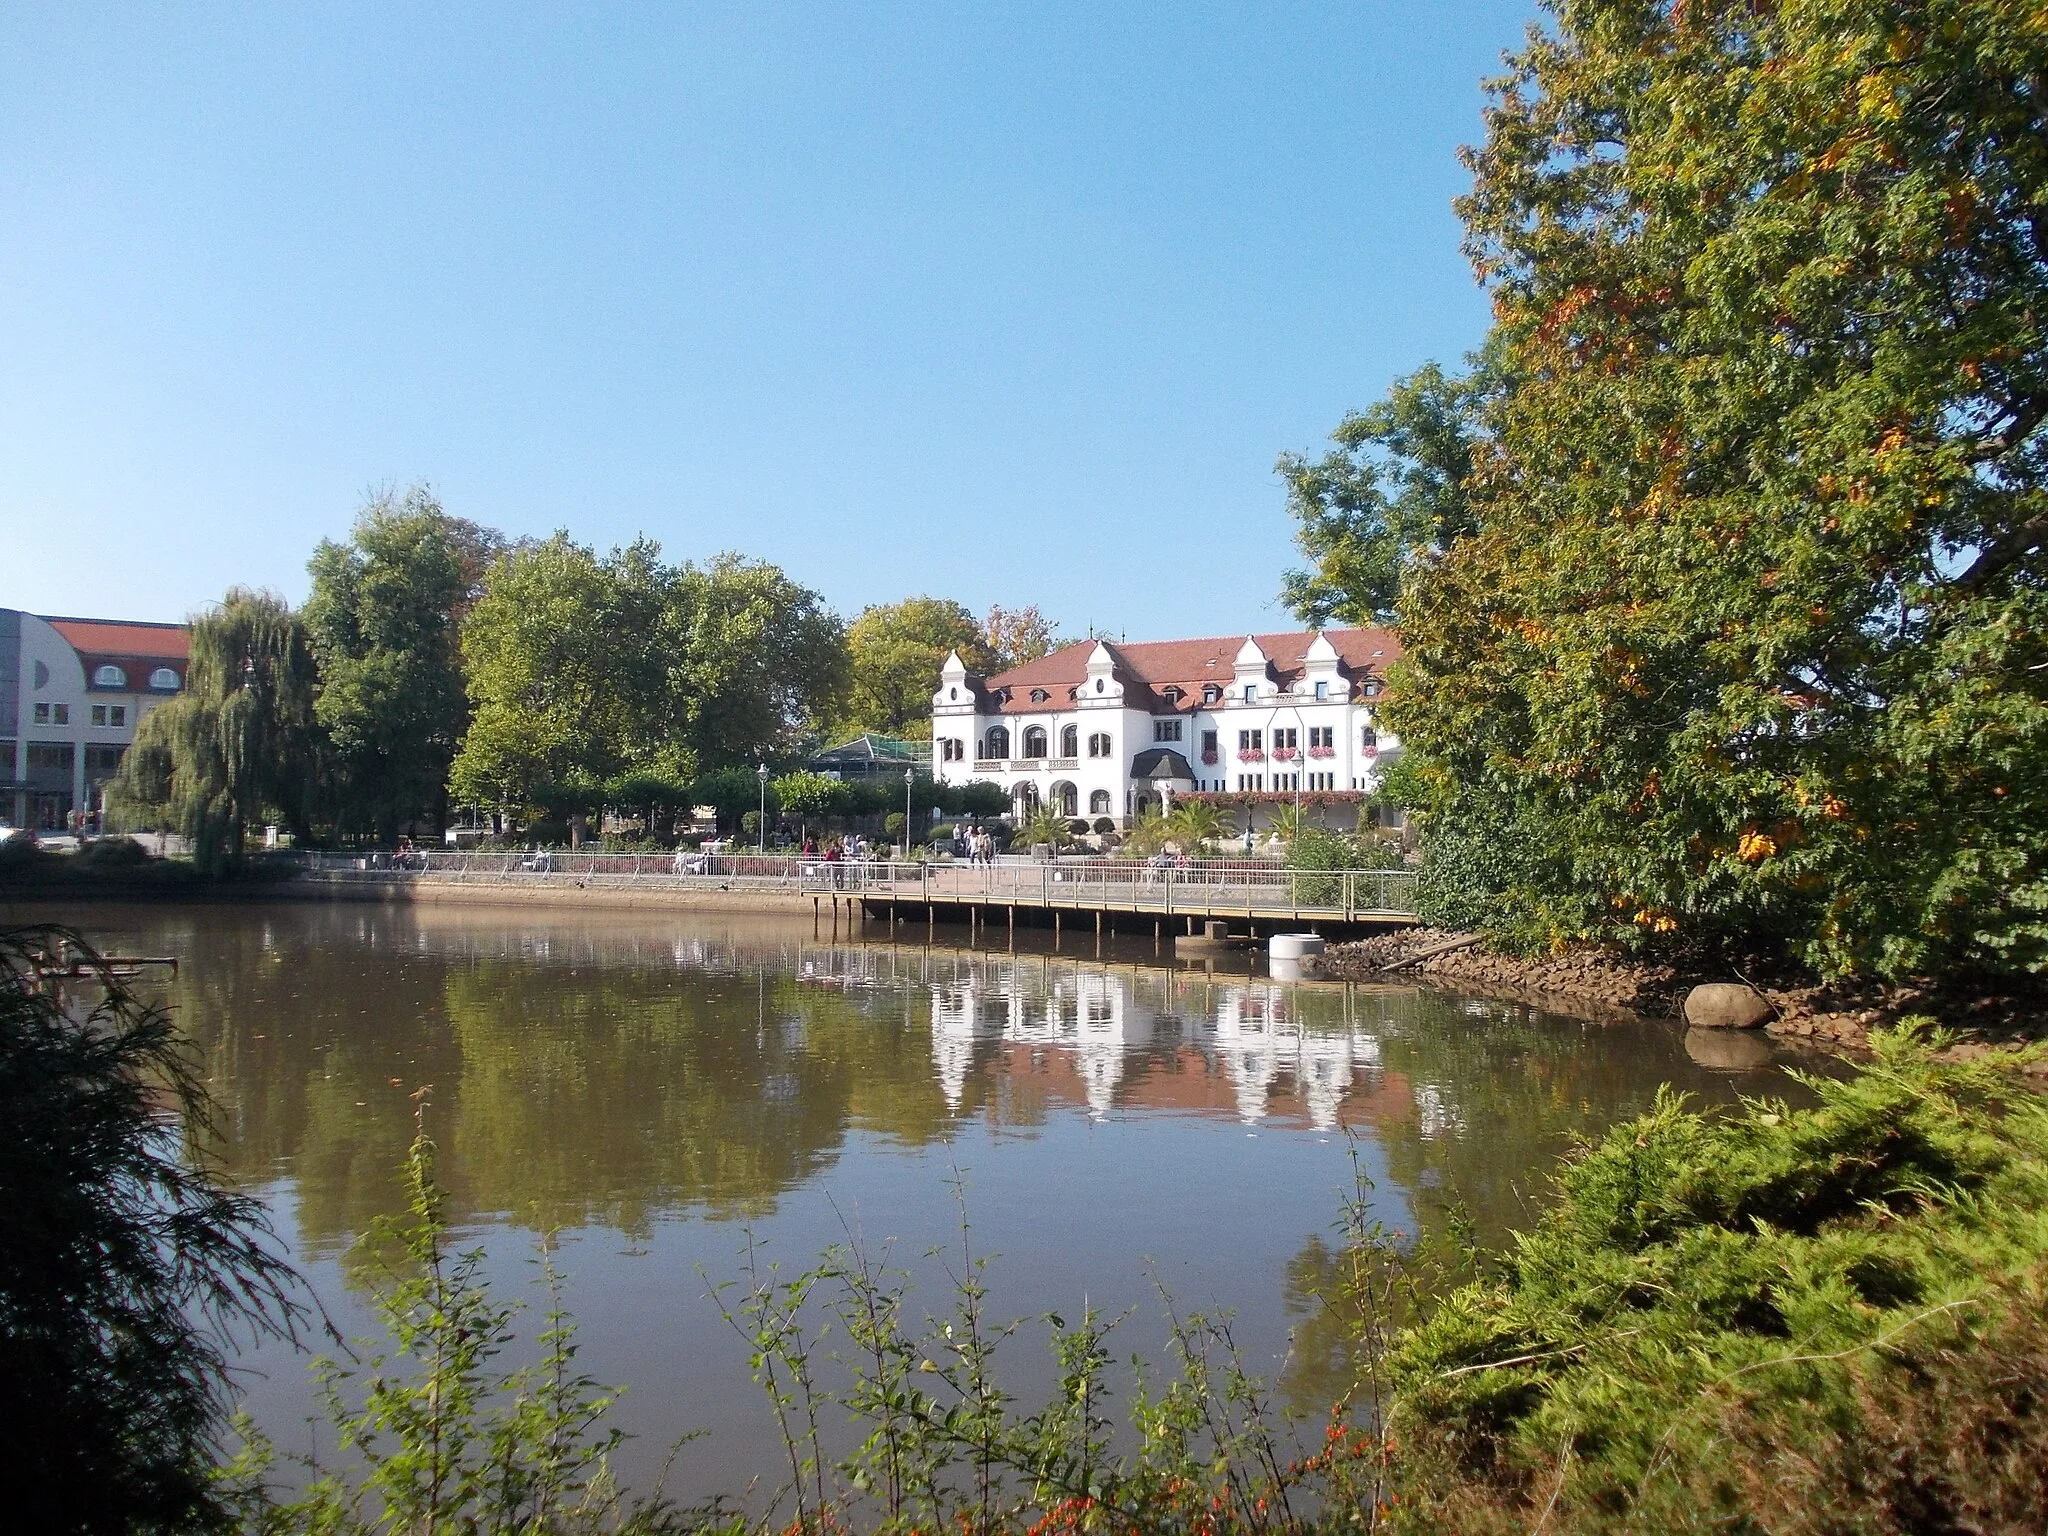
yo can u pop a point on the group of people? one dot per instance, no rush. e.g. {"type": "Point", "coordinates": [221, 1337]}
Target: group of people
{"type": "Point", "coordinates": [976, 844]}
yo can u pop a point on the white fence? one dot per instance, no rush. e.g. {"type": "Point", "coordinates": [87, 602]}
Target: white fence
{"type": "Point", "coordinates": [1230, 885]}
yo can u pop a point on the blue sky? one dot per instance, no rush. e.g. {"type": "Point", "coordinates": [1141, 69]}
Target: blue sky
{"type": "Point", "coordinates": [1009, 304]}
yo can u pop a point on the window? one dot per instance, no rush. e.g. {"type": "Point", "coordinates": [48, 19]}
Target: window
{"type": "Point", "coordinates": [1066, 798]}
{"type": "Point", "coordinates": [1034, 741]}
{"type": "Point", "coordinates": [1368, 741]}
{"type": "Point", "coordinates": [950, 749]}
{"type": "Point", "coordinates": [110, 676]}
{"type": "Point", "coordinates": [42, 675]}
{"type": "Point", "coordinates": [1322, 738]}
{"type": "Point", "coordinates": [952, 693]}
{"type": "Point", "coordinates": [103, 763]}
{"type": "Point", "coordinates": [1070, 741]}
{"type": "Point", "coordinates": [99, 714]}
{"type": "Point", "coordinates": [1211, 693]}
{"type": "Point", "coordinates": [61, 713]}
{"type": "Point", "coordinates": [1098, 803]}
{"type": "Point", "coordinates": [1285, 739]}
{"type": "Point", "coordinates": [997, 743]}
{"type": "Point", "coordinates": [1039, 695]}
{"type": "Point", "coordinates": [1250, 742]}
{"type": "Point", "coordinates": [1372, 688]}
{"type": "Point", "coordinates": [1166, 730]}
{"type": "Point", "coordinates": [1322, 691]}
{"type": "Point", "coordinates": [1098, 744]}
{"type": "Point", "coordinates": [1209, 746]}
{"type": "Point", "coordinates": [1251, 693]}
{"type": "Point", "coordinates": [42, 714]}
{"type": "Point", "coordinates": [1174, 695]}
{"type": "Point", "coordinates": [164, 677]}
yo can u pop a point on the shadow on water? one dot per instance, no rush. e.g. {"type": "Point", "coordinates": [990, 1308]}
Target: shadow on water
{"type": "Point", "coordinates": [655, 1085]}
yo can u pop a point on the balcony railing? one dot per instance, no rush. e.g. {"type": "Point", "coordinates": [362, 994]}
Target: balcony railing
{"type": "Point", "coordinates": [1055, 764]}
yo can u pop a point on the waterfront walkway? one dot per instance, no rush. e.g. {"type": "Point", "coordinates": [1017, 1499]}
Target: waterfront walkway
{"type": "Point", "coordinates": [1115, 894]}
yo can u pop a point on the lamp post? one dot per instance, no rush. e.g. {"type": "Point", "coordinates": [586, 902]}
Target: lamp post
{"type": "Point", "coordinates": [761, 823]}
{"type": "Point", "coordinates": [908, 775]}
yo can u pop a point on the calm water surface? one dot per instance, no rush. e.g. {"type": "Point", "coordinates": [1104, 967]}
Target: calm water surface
{"type": "Point", "coordinates": [657, 1089]}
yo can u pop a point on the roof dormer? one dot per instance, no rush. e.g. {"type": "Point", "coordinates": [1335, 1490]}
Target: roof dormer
{"type": "Point", "coordinates": [959, 689]}
{"type": "Point", "coordinates": [1252, 664]}
{"type": "Point", "coordinates": [1101, 684]}
{"type": "Point", "coordinates": [1319, 666]}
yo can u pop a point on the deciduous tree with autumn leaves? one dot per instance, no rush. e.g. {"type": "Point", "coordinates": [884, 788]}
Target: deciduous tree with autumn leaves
{"type": "Point", "coordinates": [1745, 637]}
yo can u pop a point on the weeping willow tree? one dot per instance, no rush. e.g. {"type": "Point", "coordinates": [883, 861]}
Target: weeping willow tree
{"type": "Point", "coordinates": [241, 744]}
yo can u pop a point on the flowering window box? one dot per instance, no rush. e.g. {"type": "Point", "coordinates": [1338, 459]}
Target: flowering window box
{"type": "Point", "coordinates": [1250, 755]}
{"type": "Point", "coordinates": [1322, 751]}
{"type": "Point", "coordinates": [1208, 757]}
{"type": "Point", "coordinates": [1283, 754]}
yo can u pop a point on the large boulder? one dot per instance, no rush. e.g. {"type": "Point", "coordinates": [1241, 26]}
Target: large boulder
{"type": "Point", "coordinates": [1727, 1005]}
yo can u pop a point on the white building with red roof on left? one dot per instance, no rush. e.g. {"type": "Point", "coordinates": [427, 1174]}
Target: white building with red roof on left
{"type": "Point", "coordinates": [72, 692]}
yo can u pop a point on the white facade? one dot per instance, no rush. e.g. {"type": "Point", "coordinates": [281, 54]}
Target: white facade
{"type": "Point", "coordinates": [1089, 728]}
{"type": "Point", "coordinates": [68, 712]}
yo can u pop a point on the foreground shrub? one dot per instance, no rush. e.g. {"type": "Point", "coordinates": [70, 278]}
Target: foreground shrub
{"type": "Point", "coordinates": [1824, 1319]}
{"type": "Point", "coordinates": [124, 1266]}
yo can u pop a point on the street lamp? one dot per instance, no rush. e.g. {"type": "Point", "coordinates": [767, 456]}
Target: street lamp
{"type": "Point", "coordinates": [908, 775]}
{"type": "Point", "coordinates": [761, 823]}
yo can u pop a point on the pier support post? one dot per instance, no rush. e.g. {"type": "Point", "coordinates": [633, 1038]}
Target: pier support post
{"type": "Point", "coordinates": [1013, 925]}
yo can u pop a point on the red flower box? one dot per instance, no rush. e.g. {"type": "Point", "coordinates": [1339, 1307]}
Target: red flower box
{"type": "Point", "coordinates": [1322, 751]}
{"type": "Point", "coordinates": [1250, 755]}
{"type": "Point", "coordinates": [1283, 754]}
{"type": "Point", "coordinates": [1208, 757]}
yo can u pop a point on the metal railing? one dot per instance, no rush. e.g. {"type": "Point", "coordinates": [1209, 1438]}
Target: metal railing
{"type": "Point", "coordinates": [1220, 885]}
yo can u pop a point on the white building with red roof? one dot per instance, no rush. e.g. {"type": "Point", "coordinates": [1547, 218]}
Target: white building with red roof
{"type": "Point", "coordinates": [72, 692]}
{"type": "Point", "coordinates": [1101, 729]}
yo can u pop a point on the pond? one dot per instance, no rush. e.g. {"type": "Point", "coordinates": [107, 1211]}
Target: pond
{"type": "Point", "coordinates": [661, 1090]}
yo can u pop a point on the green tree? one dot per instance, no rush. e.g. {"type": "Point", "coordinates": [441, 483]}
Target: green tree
{"type": "Point", "coordinates": [124, 1262]}
{"type": "Point", "coordinates": [756, 663]}
{"type": "Point", "coordinates": [383, 622]}
{"type": "Point", "coordinates": [240, 744]}
{"type": "Point", "coordinates": [896, 651]}
{"type": "Point", "coordinates": [809, 796]}
{"type": "Point", "coordinates": [1749, 641]}
{"type": "Point", "coordinates": [1390, 495]}
{"type": "Point", "coordinates": [565, 674]}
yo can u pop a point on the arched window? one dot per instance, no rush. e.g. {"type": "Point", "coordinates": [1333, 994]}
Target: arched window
{"type": "Point", "coordinates": [110, 676]}
{"type": "Point", "coordinates": [1034, 741]}
{"type": "Point", "coordinates": [1098, 744]}
{"type": "Point", "coordinates": [1039, 695]}
{"type": "Point", "coordinates": [1070, 741]}
{"type": "Point", "coordinates": [998, 743]}
{"type": "Point", "coordinates": [1065, 797]}
{"type": "Point", "coordinates": [1098, 803]}
{"type": "Point", "coordinates": [165, 678]}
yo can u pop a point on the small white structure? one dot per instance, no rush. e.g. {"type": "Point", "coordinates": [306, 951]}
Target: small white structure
{"type": "Point", "coordinates": [1105, 730]}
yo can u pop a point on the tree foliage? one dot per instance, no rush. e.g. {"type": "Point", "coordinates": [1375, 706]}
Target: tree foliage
{"type": "Point", "coordinates": [565, 676]}
{"type": "Point", "coordinates": [1014, 636]}
{"type": "Point", "coordinates": [125, 1267]}
{"type": "Point", "coordinates": [240, 744]}
{"type": "Point", "coordinates": [756, 663]}
{"type": "Point", "coordinates": [896, 651]}
{"type": "Point", "coordinates": [383, 617]}
{"type": "Point", "coordinates": [1389, 495]}
{"type": "Point", "coordinates": [1748, 638]}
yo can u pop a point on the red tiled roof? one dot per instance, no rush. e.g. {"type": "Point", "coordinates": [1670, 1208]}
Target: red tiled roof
{"type": "Point", "coordinates": [1148, 668]}
{"type": "Point", "coordinates": [116, 637]}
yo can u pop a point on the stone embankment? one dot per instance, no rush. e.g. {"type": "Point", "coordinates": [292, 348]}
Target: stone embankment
{"type": "Point", "coordinates": [1593, 983]}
